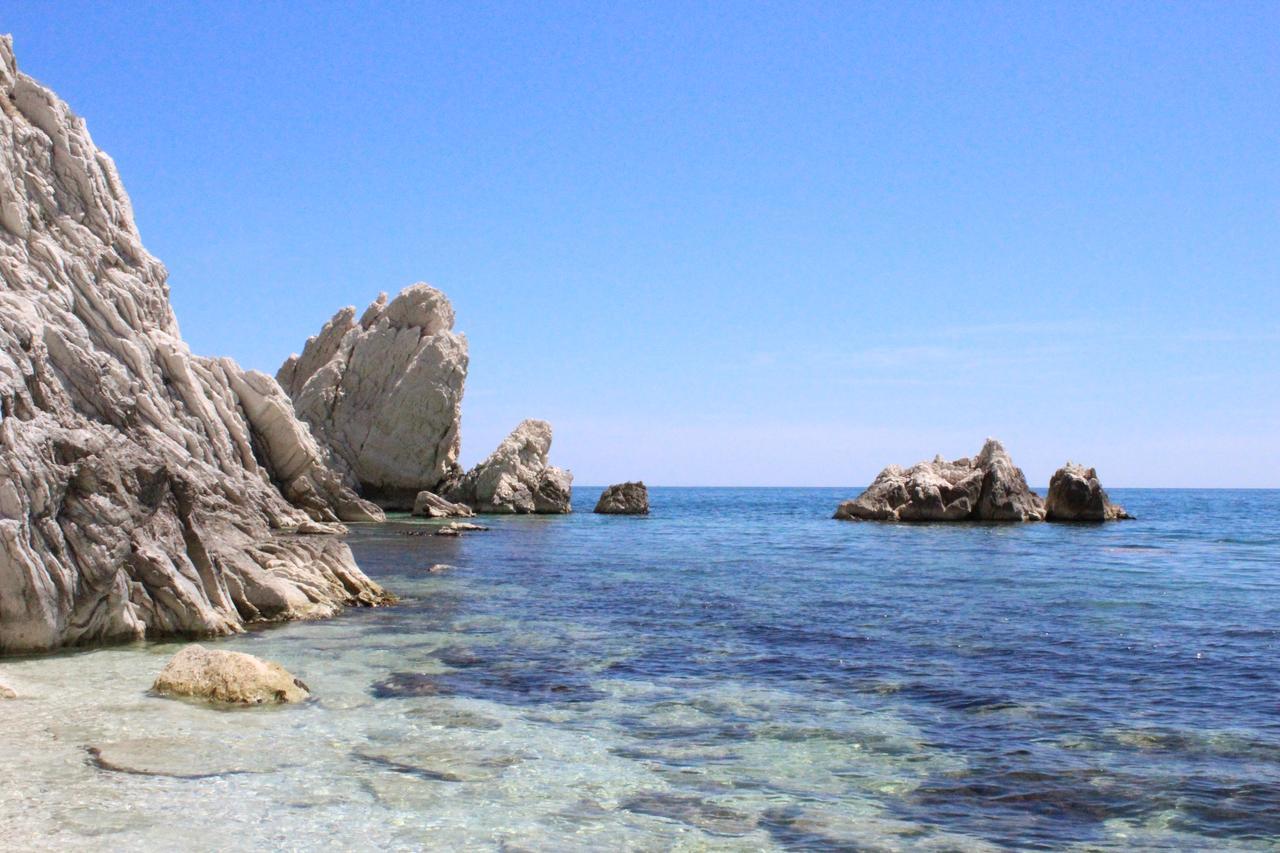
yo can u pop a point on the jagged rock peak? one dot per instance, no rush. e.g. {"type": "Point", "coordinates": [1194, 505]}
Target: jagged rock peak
{"type": "Point", "coordinates": [516, 477]}
{"type": "Point", "coordinates": [988, 487]}
{"type": "Point", "coordinates": [384, 394]}
{"type": "Point", "coordinates": [142, 489]}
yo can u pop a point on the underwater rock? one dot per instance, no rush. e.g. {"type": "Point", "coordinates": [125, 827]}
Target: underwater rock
{"type": "Point", "coordinates": [231, 677]}
{"type": "Point", "coordinates": [516, 478]}
{"type": "Point", "coordinates": [432, 505]}
{"type": "Point", "coordinates": [144, 491]}
{"type": "Point", "coordinates": [180, 758]}
{"type": "Point", "coordinates": [624, 499]}
{"type": "Point", "coordinates": [384, 394]}
{"type": "Point", "coordinates": [7, 692]}
{"type": "Point", "coordinates": [987, 488]}
{"type": "Point", "coordinates": [1076, 495]}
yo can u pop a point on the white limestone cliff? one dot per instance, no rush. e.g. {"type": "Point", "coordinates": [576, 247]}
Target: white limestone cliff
{"type": "Point", "coordinates": [384, 394]}
{"type": "Point", "coordinates": [143, 490]}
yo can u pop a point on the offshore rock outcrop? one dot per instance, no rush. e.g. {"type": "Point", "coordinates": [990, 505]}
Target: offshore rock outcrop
{"type": "Point", "coordinates": [988, 487]}
{"type": "Point", "coordinates": [516, 478]}
{"type": "Point", "coordinates": [1076, 495]}
{"type": "Point", "coordinates": [384, 394]}
{"type": "Point", "coordinates": [624, 499]}
{"type": "Point", "coordinates": [143, 490]}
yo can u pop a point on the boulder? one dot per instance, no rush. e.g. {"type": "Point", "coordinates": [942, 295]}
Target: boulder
{"type": "Point", "coordinates": [432, 505]}
{"type": "Point", "coordinates": [1076, 495]}
{"type": "Point", "coordinates": [988, 487]}
{"type": "Point", "coordinates": [229, 677]}
{"type": "Point", "coordinates": [624, 499]}
{"type": "Point", "coordinates": [383, 394]}
{"type": "Point", "coordinates": [516, 478]}
{"type": "Point", "coordinates": [143, 490]}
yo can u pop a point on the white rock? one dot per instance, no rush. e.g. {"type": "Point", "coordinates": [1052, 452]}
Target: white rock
{"type": "Point", "coordinates": [384, 394]}
{"type": "Point", "coordinates": [140, 486]}
{"type": "Point", "coordinates": [516, 478]}
{"type": "Point", "coordinates": [231, 677]}
{"type": "Point", "coordinates": [987, 488]}
{"type": "Point", "coordinates": [432, 505]}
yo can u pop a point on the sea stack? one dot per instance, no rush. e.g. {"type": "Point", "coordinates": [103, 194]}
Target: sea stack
{"type": "Point", "coordinates": [1076, 495]}
{"type": "Point", "coordinates": [988, 487]}
{"type": "Point", "coordinates": [144, 491]}
{"type": "Point", "coordinates": [516, 477]}
{"type": "Point", "coordinates": [624, 499]}
{"type": "Point", "coordinates": [384, 394]}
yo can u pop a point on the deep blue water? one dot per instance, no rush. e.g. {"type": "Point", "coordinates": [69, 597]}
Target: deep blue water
{"type": "Point", "coordinates": [1034, 685]}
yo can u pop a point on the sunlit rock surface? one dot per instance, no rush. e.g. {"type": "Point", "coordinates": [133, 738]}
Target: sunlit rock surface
{"type": "Point", "coordinates": [229, 677]}
{"type": "Point", "coordinates": [384, 394]}
{"type": "Point", "coordinates": [143, 490]}
{"type": "Point", "coordinates": [516, 477]}
{"type": "Point", "coordinates": [624, 499]}
{"type": "Point", "coordinates": [988, 487]}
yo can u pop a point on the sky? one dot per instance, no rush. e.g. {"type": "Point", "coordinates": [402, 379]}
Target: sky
{"type": "Point", "coordinates": [738, 243]}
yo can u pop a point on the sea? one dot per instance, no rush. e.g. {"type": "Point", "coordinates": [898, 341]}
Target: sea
{"type": "Point", "coordinates": [735, 671]}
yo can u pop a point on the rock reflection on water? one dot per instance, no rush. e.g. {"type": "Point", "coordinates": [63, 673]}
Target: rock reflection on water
{"type": "Point", "coordinates": [738, 673]}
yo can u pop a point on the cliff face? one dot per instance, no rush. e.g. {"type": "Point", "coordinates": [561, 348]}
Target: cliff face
{"type": "Point", "coordinates": [384, 394]}
{"type": "Point", "coordinates": [143, 490]}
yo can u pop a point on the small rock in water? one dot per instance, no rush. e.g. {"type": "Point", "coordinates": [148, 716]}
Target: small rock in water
{"type": "Point", "coordinates": [624, 499]}
{"type": "Point", "coordinates": [432, 505]}
{"type": "Point", "coordinates": [7, 692]}
{"type": "Point", "coordinates": [457, 528]}
{"type": "Point", "coordinates": [1076, 495]}
{"type": "Point", "coordinates": [439, 568]}
{"type": "Point", "coordinates": [231, 677]}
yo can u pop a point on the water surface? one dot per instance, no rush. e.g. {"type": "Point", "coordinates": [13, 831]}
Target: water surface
{"type": "Point", "coordinates": [736, 671]}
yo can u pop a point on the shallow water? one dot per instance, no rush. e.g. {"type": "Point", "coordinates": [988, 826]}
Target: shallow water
{"type": "Point", "coordinates": [736, 671]}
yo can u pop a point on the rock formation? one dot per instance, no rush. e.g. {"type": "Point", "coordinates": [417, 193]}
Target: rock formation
{"type": "Point", "coordinates": [516, 478]}
{"type": "Point", "coordinates": [1076, 495]}
{"type": "Point", "coordinates": [432, 505]}
{"type": "Point", "coordinates": [987, 488]}
{"type": "Point", "coordinates": [231, 677]}
{"type": "Point", "coordinates": [384, 394]}
{"type": "Point", "coordinates": [143, 490]}
{"type": "Point", "coordinates": [624, 499]}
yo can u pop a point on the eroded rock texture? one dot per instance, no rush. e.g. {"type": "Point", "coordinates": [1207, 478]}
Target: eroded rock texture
{"type": "Point", "coordinates": [384, 394]}
{"type": "Point", "coordinates": [1076, 495]}
{"type": "Point", "coordinates": [143, 490]}
{"type": "Point", "coordinates": [234, 678]}
{"type": "Point", "coordinates": [432, 505]}
{"type": "Point", "coordinates": [516, 478]}
{"type": "Point", "coordinates": [988, 487]}
{"type": "Point", "coordinates": [624, 499]}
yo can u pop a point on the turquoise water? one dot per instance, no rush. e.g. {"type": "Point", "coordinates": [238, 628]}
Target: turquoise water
{"type": "Point", "coordinates": [736, 671]}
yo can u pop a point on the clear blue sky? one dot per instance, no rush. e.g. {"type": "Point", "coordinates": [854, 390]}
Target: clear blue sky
{"type": "Point", "coordinates": [738, 243]}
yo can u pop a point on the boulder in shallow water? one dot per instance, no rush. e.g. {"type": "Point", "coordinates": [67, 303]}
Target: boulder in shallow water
{"type": "Point", "coordinates": [988, 487]}
{"type": "Point", "coordinates": [432, 505]}
{"type": "Point", "coordinates": [1076, 495]}
{"type": "Point", "coordinates": [7, 692]}
{"type": "Point", "coordinates": [516, 478]}
{"type": "Point", "coordinates": [231, 677]}
{"type": "Point", "coordinates": [624, 499]}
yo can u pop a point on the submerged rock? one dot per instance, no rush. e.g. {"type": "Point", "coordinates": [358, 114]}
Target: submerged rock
{"type": "Point", "coordinates": [7, 692]}
{"type": "Point", "coordinates": [987, 488]}
{"type": "Point", "coordinates": [624, 499]}
{"type": "Point", "coordinates": [143, 490]}
{"type": "Point", "coordinates": [516, 478]}
{"type": "Point", "coordinates": [231, 677]}
{"type": "Point", "coordinates": [384, 393]}
{"type": "Point", "coordinates": [1076, 495]}
{"type": "Point", "coordinates": [432, 505]}
{"type": "Point", "coordinates": [457, 528]}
